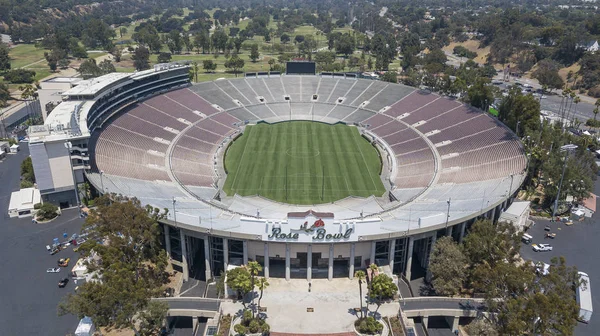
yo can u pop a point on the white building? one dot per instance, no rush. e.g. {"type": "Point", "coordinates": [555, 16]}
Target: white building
{"type": "Point", "coordinates": [22, 202]}
{"type": "Point", "coordinates": [517, 214]}
{"type": "Point", "coordinates": [51, 90]}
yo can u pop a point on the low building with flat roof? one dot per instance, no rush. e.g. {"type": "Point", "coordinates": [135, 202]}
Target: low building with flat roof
{"type": "Point", "coordinates": [22, 202]}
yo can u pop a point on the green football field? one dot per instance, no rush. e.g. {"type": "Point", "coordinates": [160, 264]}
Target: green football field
{"type": "Point", "coordinates": [302, 162]}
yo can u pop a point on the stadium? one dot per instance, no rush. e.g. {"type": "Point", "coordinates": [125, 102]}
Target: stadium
{"type": "Point", "coordinates": [313, 176]}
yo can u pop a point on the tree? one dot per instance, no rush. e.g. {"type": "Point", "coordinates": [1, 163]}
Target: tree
{"type": "Point", "coordinates": [390, 76]}
{"type": "Point", "coordinates": [546, 73]}
{"type": "Point", "coordinates": [299, 39]}
{"type": "Point", "coordinates": [174, 42]}
{"type": "Point", "coordinates": [480, 94]}
{"type": "Point", "coordinates": [262, 285]}
{"type": "Point", "coordinates": [254, 53]}
{"type": "Point", "coordinates": [47, 211]}
{"type": "Point", "coordinates": [106, 67]}
{"type": "Point", "coordinates": [152, 318]}
{"type": "Point", "coordinates": [382, 288]}
{"type": "Point", "coordinates": [89, 69]}
{"type": "Point", "coordinates": [240, 280]}
{"type": "Point", "coordinates": [130, 262]}
{"type": "Point", "coordinates": [254, 268]}
{"type": "Point", "coordinates": [490, 244]}
{"type": "Point", "coordinates": [122, 31]}
{"type": "Point", "coordinates": [201, 40]}
{"type": "Point", "coordinates": [219, 40]}
{"type": "Point", "coordinates": [209, 65]}
{"type": "Point", "coordinates": [141, 58]}
{"type": "Point", "coordinates": [4, 57]}
{"type": "Point", "coordinates": [164, 57]}
{"type": "Point", "coordinates": [518, 108]}
{"type": "Point", "coordinates": [4, 94]}
{"type": "Point", "coordinates": [63, 63]}
{"type": "Point", "coordinates": [19, 76]}
{"type": "Point", "coordinates": [447, 264]}
{"type": "Point", "coordinates": [284, 38]}
{"type": "Point", "coordinates": [235, 63]}
{"type": "Point", "coordinates": [360, 276]}
{"type": "Point", "coordinates": [117, 53]}
{"type": "Point", "coordinates": [345, 44]}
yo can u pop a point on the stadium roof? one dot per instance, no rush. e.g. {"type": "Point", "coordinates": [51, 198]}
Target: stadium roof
{"type": "Point", "coordinates": [94, 85]}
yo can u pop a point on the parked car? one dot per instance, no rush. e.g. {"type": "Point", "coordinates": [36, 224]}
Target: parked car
{"type": "Point", "coordinates": [541, 247]}
{"type": "Point", "coordinates": [62, 283]}
{"type": "Point", "coordinates": [63, 262]}
{"type": "Point", "coordinates": [53, 270]}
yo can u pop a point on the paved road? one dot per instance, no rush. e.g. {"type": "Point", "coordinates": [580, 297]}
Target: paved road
{"type": "Point", "coordinates": [553, 101]}
{"type": "Point", "coordinates": [191, 304]}
{"type": "Point", "coordinates": [579, 245]}
{"type": "Point", "coordinates": [29, 295]}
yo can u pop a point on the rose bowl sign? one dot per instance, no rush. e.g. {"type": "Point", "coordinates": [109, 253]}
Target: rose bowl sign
{"type": "Point", "coordinates": [309, 226]}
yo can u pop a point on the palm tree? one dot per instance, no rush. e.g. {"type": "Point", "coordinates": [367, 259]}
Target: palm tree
{"type": "Point", "coordinates": [595, 113]}
{"type": "Point", "coordinates": [262, 284]}
{"type": "Point", "coordinates": [360, 275]}
{"type": "Point", "coordinates": [254, 268]}
{"type": "Point", "coordinates": [576, 101]}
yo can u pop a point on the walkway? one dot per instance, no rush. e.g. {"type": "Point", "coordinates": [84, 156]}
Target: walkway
{"type": "Point", "coordinates": [332, 304]}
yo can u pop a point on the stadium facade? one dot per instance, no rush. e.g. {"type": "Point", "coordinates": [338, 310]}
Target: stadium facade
{"type": "Point", "coordinates": [155, 136]}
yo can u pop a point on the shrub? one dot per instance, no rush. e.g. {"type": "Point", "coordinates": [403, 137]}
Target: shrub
{"type": "Point", "coordinates": [368, 325]}
{"type": "Point", "coordinates": [26, 184]}
{"type": "Point", "coordinates": [247, 316]}
{"type": "Point", "coordinates": [240, 329]}
{"type": "Point", "coordinates": [37, 206]}
{"type": "Point", "coordinates": [254, 326]}
{"type": "Point", "coordinates": [47, 211]}
{"type": "Point", "coordinates": [592, 123]}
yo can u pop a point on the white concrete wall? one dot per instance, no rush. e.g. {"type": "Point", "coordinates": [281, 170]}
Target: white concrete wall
{"type": "Point", "coordinates": [254, 249]}
{"type": "Point", "coordinates": [275, 249]}
{"type": "Point", "coordinates": [341, 249]}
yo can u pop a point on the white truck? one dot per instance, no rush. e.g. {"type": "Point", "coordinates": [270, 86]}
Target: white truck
{"type": "Point", "coordinates": [584, 298]}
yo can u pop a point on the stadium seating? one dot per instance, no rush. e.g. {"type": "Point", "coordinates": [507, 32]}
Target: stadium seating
{"type": "Point", "coordinates": [428, 134]}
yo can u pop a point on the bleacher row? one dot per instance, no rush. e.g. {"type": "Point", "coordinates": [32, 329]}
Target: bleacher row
{"type": "Point", "coordinates": [473, 146]}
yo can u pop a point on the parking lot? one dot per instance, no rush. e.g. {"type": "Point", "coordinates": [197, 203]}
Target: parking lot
{"type": "Point", "coordinates": [579, 245]}
{"type": "Point", "coordinates": [28, 294]}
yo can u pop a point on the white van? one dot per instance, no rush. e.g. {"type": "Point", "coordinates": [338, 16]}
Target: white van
{"type": "Point", "coordinates": [526, 238]}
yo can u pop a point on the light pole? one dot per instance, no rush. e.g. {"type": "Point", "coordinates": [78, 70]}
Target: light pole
{"type": "Point", "coordinates": [174, 212]}
{"type": "Point", "coordinates": [102, 181]}
{"type": "Point", "coordinates": [517, 130]}
{"type": "Point", "coordinates": [565, 148]}
{"type": "Point", "coordinates": [448, 214]}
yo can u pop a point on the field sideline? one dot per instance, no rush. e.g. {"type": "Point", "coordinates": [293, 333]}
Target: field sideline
{"type": "Point", "coordinates": [302, 162]}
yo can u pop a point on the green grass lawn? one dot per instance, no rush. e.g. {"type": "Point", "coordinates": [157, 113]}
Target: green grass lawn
{"type": "Point", "coordinates": [303, 162]}
{"type": "Point", "coordinates": [25, 54]}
